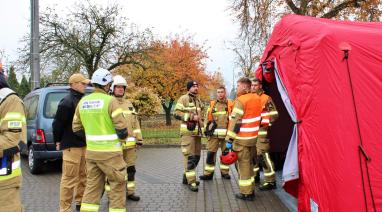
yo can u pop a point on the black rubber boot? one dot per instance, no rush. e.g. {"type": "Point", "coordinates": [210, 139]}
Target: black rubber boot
{"type": "Point", "coordinates": [184, 181]}
{"type": "Point", "coordinates": [226, 176]}
{"type": "Point", "coordinates": [193, 187]}
{"type": "Point", "coordinates": [133, 197]}
{"type": "Point", "coordinates": [245, 197]}
{"type": "Point", "coordinates": [257, 177]}
{"type": "Point", "coordinates": [206, 177]}
{"type": "Point", "coordinates": [268, 186]}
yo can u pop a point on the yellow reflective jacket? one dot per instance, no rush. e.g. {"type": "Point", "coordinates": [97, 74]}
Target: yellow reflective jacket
{"type": "Point", "coordinates": [186, 107]}
{"type": "Point", "coordinates": [133, 127]}
{"type": "Point", "coordinates": [12, 131]}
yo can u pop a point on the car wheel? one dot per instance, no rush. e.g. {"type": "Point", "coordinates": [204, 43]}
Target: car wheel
{"type": "Point", "coordinates": [33, 163]}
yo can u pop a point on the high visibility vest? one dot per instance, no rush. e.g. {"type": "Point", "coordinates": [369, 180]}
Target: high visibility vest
{"type": "Point", "coordinates": [251, 116]}
{"type": "Point", "coordinates": [220, 131]}
{"type": "Point", "coordinates": [99, 129]}
{"type": "Point", "coordinates": [265, 113]}
{"type": "Point", "coordinates": [212, 105]}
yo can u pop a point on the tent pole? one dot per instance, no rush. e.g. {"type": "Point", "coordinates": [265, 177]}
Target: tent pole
{"type": "Point", "coordinates": [361, 150]}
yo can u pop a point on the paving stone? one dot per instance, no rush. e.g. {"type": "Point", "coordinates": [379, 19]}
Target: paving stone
{"type": "Point", "coordinates": [159, 183]}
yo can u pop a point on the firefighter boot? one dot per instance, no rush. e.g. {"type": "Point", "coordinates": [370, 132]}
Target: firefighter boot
{"type": "Point", "coordinates": [226, 176]}
{"type": "Point", "coordinates": [133, 197]}
{"type": "Point", "coordinates": [206, 177]}
{"type": "Point", "coordinates": [184, 181]}
{"type": "Point", "coordinates": [257, 177]}
{"type": "Point", "coordinates": [245, 197]}
{"type": "Point", "coordinates": [209, 167]}
{"type": "Point", "coordinates": [268, 186]}
{"type": "Point", "coordinates": [193, 187]}
{"type": "Point", "coordinates": [78, 207]}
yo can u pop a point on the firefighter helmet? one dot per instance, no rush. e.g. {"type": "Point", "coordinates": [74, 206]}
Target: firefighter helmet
{"type": "Point", "coordinates": [102, 77]}
{"type": "Point", "coordinates": [228, 158]}
{"type": "Point", "coordinates": [118, 80]}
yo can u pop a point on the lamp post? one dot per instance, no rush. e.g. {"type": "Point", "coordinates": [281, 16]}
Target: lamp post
{"type": "Point", "coordinates": [34, 48]}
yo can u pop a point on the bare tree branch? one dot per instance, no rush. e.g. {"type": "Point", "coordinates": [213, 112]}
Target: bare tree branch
{"type": "Point", "coordinates": [337, 9]}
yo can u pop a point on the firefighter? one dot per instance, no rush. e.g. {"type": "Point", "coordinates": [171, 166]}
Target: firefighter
{"type": "Point", "coordinates": [134, 139]}
{"type": "Point", "coordinates": [73, 178]}
{"type": "Point", "coordinates": [268, 116]}
{"type": "Point", "coordinates": [100, 119]}
{"type": "Point", "coordinates": [12, 131]}
{"type": "Point", "coordinates": [242, 134]}
{"type": "Point", "coordinates": [216, 130]}
{"type": "Point", "coordinates": [189, 110]}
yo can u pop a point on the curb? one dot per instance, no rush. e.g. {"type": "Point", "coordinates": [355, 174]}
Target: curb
{"type": "Point", "coordinates": [166, 146]}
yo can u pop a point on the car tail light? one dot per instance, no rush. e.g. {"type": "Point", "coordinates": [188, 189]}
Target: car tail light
{"type": "Point", "coordinates": [40, 136]}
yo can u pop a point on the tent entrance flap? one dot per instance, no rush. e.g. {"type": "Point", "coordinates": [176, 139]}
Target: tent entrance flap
{"type": "Point", "coordinates": [283, 133]}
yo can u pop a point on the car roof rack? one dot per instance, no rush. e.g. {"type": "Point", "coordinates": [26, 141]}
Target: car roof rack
{"type": "Point", "coordinates": [51, 84]}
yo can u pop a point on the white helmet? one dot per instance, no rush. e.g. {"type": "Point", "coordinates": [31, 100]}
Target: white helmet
{"type": "Point", "coordinates": [118, 80]}
{"type": "Point", "coordinates": [102, 77]}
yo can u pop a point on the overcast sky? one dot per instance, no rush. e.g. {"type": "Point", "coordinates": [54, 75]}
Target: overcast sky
{"type": "Point", "coordinates": [207, 20]}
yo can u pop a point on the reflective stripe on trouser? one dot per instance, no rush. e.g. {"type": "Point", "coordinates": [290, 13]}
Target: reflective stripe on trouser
{"type": "Point", "coordinates": [130, 156]}
{"type": "Point", "coordinates": [130, 187]}
{"type": "Point", "coordinates": [10, 200]}
{"type": "Point", "coordinates": [245, 167]}
{"type": "Point", "coordinates": [73, 178]}
{"type": "Point", "coordinates": [114, 169]}
{"type": "Point", "coordinates": [191, 147]}
{"type": "Point", "coordinates": [263, 147]}
{"type": "Point", "coordinates": [212, 147]}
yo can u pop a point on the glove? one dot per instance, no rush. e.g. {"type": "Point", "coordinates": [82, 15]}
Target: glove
{"type": "Point", "coordinates": [11, 151]}
{"type": "Point", "coordinates": [139, 143]}
{"type": "Point", "coordinates": [228, 145]}
{"type": "Point", "coordinates": [191, 125]}
{"type": "Point", "coordinates": [207, 131]}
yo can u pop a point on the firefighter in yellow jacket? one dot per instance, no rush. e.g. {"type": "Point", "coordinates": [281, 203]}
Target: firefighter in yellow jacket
{"type": "Point", "coordinates": [242, 133]}
{"type": "Point", "coordinates": [134, 134]}
{"type": "Point", "coordinates": [12, 131]}
{"type": "Point", "coordinates": [216, 124]}
{"type": "Point", "coordinates": [189, 110]}
{"type": "Point", "coordinates": [100, 119]}
{"type": "Point", "coordinates": [269, 115]}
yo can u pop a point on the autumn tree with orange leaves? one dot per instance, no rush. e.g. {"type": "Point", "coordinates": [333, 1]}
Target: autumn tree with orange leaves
{"type": "Point", "coordinates": [170, 65]}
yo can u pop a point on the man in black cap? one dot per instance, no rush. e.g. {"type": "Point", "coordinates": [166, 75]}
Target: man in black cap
{"type": "Point", "coordinates": [189, 110]}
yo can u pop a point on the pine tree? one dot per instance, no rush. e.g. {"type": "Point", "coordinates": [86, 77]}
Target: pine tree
{"type": "Point", "coordinates": [12, 80]}
{"type": "Point", "coordinates": [24, 88]}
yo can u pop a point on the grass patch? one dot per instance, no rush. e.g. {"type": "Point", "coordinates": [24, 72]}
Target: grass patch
{"type": "Point", "coordinates": [160, 133]}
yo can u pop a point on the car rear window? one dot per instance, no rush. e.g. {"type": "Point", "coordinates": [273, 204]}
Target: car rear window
{"type": "Point", "coordinates": [51, 103]}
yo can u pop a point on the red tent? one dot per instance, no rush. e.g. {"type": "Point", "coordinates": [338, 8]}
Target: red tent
{"type": "Point", "coordinates": [329, 77]}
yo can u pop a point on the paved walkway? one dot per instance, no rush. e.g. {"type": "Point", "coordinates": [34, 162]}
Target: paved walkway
{"type": "Point", "coordinates": [159, 172]}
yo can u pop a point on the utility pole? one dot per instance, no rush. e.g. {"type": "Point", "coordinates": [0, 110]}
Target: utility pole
{"type": "Point", "coordinates": [34, 48]}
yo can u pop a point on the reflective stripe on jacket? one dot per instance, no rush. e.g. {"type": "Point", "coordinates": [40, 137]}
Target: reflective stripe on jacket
{"type": "Point", "coordinates": [245, 120]}
{"type": "Point", "coordinates": [12, 131]}
{"type": "Point", "coordinates": [219, 111]}
{"type": "Point", "coordinates": [187, 106]}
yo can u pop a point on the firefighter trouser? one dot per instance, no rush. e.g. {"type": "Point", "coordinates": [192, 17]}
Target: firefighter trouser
{"type": "Point", "coordinates": [97, 171]}
{"type": "Point", "coordinates": [130, 156]}
{"type": "Point", "coordinates": [264, 159]}
{"type": "Point", "coordinates": [191, 147]}
{"type": "Point", "coordinates": [245, 167]}
{"type": "Point", "coordinates": [73, 178]}
{"type": "Point", "coordinates": [10, 199]}
{"type": "Point", "coordinates": [212, 147]}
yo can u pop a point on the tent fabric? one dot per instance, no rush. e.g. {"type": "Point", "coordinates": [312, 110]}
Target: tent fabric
{"type": "Point", "coordinates": [310, 63]}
